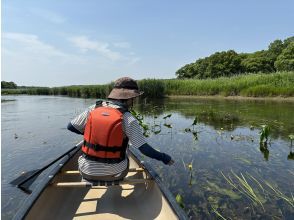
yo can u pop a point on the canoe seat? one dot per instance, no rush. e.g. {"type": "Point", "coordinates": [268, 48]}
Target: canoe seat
{"type": "Point", "coordinates": [125, 181]}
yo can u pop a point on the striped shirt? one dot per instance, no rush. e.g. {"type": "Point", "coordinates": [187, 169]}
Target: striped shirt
{"type": "Point", "coordinates": [131, 129]}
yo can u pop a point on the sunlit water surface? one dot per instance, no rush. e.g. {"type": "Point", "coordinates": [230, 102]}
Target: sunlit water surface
{"type": "Point", "coordinates": [220, 169]}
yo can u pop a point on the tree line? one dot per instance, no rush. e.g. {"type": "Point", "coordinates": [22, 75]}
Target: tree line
{"type": "Point", "coordinates": [278, 57]}
{"type": "Point", "coordinates": [8, 85]}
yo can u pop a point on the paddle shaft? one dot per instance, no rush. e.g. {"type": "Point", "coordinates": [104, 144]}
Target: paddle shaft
{"type": "Point", "coordinates": [45, 167]}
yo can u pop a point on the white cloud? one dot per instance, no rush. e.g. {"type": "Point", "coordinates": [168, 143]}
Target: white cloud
{"type": "Point", "coordinates": [29, 60]}
{"type": "Point", "coordinates": [102, 48]}
{"type": "Point", "coordinates": [31, 43]}
{"type": "Point", "coordinates": [48, 15]}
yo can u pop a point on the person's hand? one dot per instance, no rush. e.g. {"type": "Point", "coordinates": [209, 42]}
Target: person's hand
{"type": "Point", "coordinates": [171, 162]}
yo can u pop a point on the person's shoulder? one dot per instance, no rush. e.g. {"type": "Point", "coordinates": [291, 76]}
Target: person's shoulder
{"type": "Point", "coordinates": [128, 117]}
{"type": "Point", "coordinates": [91, 107]}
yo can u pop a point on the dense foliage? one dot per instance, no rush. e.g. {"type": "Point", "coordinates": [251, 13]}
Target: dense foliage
{"type": "Point", "coordinates": [8, 85]}
{"type": "Point", "coordinates": [278, 57]}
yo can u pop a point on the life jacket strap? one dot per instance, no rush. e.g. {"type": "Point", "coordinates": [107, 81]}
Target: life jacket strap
{"type": "Point", "coordinates": [98, 147]}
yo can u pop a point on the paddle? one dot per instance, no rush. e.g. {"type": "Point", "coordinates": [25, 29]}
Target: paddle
{"type": "Point", "coordinates": [27, 178]}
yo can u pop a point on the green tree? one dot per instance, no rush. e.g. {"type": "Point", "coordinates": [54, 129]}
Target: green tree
{"type": "Point", "coordinates": [285, 61]}
{"type": "Point", "coordinates": [257, 62]}
{"type": "Point", "coordinates": [274, 50]}
{"type": "Point", "coordinates": [8, 85]}
{"type": "Point", "coordinates": [288, 41]}
{"type": "Point", "coordinates": [226, 63]}
{"type": "Point", "coordinates": [186, 71]}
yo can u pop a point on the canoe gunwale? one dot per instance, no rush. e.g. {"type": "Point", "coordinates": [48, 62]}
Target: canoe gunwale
{"type": "Point", "coordinates": [28, 203]}
{"type": "Point", "coordinates": [165, 191]}
{"type": "Point", "coordinates": [36, 193]}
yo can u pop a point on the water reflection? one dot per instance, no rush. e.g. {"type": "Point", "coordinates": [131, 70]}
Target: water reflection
{"type": "Point", "coordinates": [208, 139]}
{"type": "Point", "coordinates": [291, 154]}
{"type": "Point", "coordinates": [228, 114]}
{"type": "Point", "coordinates": [223, 140]}
{"type": "Point", "coordinates": [264, 150]}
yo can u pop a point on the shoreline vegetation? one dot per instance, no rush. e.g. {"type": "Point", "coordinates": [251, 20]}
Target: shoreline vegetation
{"type": "Point", "coordinates": [279, 85]}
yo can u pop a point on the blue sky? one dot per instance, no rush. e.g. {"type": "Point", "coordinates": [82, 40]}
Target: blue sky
{"type": "Point", "coordinates": [55, 43]}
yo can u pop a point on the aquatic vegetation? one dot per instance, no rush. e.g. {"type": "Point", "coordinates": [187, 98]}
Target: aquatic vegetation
{"type": "Point", "coordinates": [140, 119]}
{"type": "Point", "coordinates": [279, 194]}
{"type": "Point", "coordinates": [263, 141]}
{"type": "Point", "coordinates": [245, 85]}
{"type": "Point", "coordinates": [156, 129]}
{"type": "Point", "coordinates": [241, 184]}
{"type": "Point", "coordinates": [264, 134]}
{"type": "Point", "coordinates": [180, 201]}
{"type": "Point", "coordinates": [217, 213]}
{"type": "Point", "coordinates": [167, 116]}
{"type": "Point", "coordinates": [275, 84]}
{"type": "Point", "coordinates": [167, 125]}
{"type": "Point", "coordinates": [243, 160]}
{"type": "Point", "coordinates": [190, 166]}
{"type": "Point", "coordinates": [193, 131]}
{"type": "Point", "coordinates": [225, 192]}
{"type": "Point", "coordinates": [291, 137]}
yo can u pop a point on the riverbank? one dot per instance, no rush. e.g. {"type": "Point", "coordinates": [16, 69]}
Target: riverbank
{"type": "Point", "coordinates": [218, 97]}
{"type": "Point", "coordinates": [272, 85]}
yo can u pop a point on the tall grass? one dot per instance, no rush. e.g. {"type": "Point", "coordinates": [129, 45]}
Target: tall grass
{"type": "Point", "coordinates": [152, 87]}
{"type": "Point", "coordinates": [254, 85]}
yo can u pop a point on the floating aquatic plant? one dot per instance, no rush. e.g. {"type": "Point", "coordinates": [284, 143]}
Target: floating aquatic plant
{"type": "Point", "coordinates": [180, 200]}
{"type": "Point", "coordinates": [140, 119]}
{"type": "Point", "coordinates": [167, 116]}
{"type": "Point", "coordinates": [193, 131]}
{"type": "Point", "coordinates": [264, 134]}
{"type": "Point", "coordinates": [263, 141]}
{"type": "Point", "coordinates": [190, 166]}
{"type": "Point", "coordinates": [156, 129]}
{"type": "Point", "coordinates": [168, 125]}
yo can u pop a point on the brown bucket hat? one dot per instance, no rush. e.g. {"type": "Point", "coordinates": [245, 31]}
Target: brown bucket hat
{"type": "Point", "coordinates": [125, 88]}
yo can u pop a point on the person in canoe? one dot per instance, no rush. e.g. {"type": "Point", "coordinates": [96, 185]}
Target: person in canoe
{"type": "Point", "coordinates": [108, 128]}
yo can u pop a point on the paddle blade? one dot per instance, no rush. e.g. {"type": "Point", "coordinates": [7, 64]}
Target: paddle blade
{"type": "Point", "coordinates": [23, 177]}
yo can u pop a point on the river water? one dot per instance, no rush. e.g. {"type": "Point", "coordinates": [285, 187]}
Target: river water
{"type": "Point", "coordinates": [221, 171]}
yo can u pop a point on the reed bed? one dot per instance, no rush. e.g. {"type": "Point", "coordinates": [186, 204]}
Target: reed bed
{"type": "Point", "coordinates": [252, 85]}
{"type": "Point", "coordinates": [256, 85]}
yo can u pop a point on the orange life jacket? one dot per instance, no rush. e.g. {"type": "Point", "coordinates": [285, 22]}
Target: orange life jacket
{"type": "Point", "coordinates": [103, 136]}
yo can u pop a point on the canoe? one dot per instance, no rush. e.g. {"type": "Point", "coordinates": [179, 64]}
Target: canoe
{"type": "Point", "coordinates": [63, 195]}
